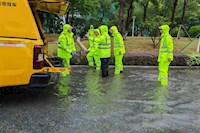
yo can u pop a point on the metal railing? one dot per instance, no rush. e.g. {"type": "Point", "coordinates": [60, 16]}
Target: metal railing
{"type": "Point", "coordinates": [189, 43]}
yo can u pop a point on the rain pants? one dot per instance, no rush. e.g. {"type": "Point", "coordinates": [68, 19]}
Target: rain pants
{"type": "Point", "coordinates": [165, 55]}
{"type": "Point", "coordinates": [119, 49]}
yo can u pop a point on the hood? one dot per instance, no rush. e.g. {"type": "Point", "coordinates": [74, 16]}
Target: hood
{"type": "Point", "coordinates": [91, 27]}
{"type": "Point", "coordinates": [97, 30]}
{"type": "Point", "coordinates": [114, 29]}
{"type": "Point", "coordinates": [103, 29]}
{"type": "Point", "coordinates": [165, 29]}
{"type": "Point", "coordinates": [66, 27]}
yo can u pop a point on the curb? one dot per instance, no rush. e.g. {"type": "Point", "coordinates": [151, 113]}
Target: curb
{"type": "Point", "coordinates": [144, 67]}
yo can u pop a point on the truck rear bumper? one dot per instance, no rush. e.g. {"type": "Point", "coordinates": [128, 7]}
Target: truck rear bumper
{"type": "Point", "coordinates": [39, 80]}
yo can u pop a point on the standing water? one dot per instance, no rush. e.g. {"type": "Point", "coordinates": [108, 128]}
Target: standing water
{"type": "Point", "coordinates": [83, 102]}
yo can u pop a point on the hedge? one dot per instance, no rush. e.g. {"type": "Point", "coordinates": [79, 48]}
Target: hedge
{"type": "Point", "coordinates": [140, 59]}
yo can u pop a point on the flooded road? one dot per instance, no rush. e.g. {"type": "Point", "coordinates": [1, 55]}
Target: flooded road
{"type": "Point", "coordinates": [83, 102]}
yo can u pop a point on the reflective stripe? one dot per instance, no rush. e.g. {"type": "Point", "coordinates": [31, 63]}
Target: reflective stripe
{"type": "Point", "coordinates": [12, 45]}
{"type": "Point", "coordinates": [164, 51]}
{"type": "Point", "coordinates": [61, 47]}
{"type": "Point", "coordinates": [104, 48]}
{"type": "Point", "coordinates": [164, 78]}
{"type": "Point", "coordinates": [67, 44]}
{"type": "Point", "coordinates": [103, 44]}
{"type": "Point", "coordinates": [164, 47]}
{"type": "Point", "coordinates": [117, 46]}
{"type": "Point", "coordinates": [116, 68]}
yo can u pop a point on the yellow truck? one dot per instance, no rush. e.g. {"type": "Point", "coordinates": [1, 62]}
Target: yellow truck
{"type": "Point", "coordinates": [23, 45]}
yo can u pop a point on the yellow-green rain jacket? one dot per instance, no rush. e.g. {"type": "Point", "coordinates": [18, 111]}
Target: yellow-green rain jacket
{"type": "Point", "coordinates": [166, 45]}
{"type": "Point", "coordinates": [66, 43]}
{"type": "Point", "coordinates": [91, 33]}
{"type": "Point", "coordinates": [118, 42]}
{"type": "Point", "coordinates": [104, 42]}
{"type": "Point", "coordinates": [94, 47]}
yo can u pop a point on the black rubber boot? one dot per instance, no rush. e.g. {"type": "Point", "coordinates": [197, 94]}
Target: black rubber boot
{"type": "Point", "coordinates": [104, 73]}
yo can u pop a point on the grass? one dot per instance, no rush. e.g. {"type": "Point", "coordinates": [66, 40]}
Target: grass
{"type": "Point", "coordinates": [135, 45]}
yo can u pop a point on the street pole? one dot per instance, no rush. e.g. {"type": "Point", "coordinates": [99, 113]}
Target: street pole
{"type": "Point", "coordinates": [134, 17]}
{"type": "Point", "coordinates": [198, 46]}
{"type": "Point", "coordinates": [64, 19]}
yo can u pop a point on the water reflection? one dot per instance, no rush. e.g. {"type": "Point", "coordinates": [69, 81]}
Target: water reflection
{"type": "Point", "coordinates": [160, 99]}
{"type": "Point", "coordinates": [63, 88]}
{"type": "Point", "coordinates": [93, 83]}
{"type": "Point", "coordinates": [128, 103]}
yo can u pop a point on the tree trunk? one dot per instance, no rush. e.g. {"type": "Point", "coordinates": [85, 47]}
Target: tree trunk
{"type": "Point", "coordinates": [129, 17]}
{"type": "Point", "coordinates": [145, 6]}
{"type": "Point", "coordinates": [145, 12]}
{"type": "Point", "coordinates": [184, 8]}
{"type": "Point", "coordinates": [121, 15]}
{"type": "Point", "coordinates": [67, 18]}
{"type": "Point", "coordinates": [173, 13]}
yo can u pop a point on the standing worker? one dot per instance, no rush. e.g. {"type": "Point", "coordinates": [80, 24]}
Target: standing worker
{"type": "Point", "coordinates": [66, 46]}
{"type": "Point", "coordinates": [119, 49]}
{"type": "Point", "coordinates": [165, 55]}
{"type": "Point", "coordinates": [94, 50]}
{"type": "Point", "coordinates": [104, 49]}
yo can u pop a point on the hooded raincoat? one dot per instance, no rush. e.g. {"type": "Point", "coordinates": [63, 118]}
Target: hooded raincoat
{"type": "Point", "coordinates": [104, 42]}
{"type": "Point", "coordinates": [165, 55]}
{"type": "Point", "coordinates": [91, 34]}
{"type": "Point", "coordinates": [66, 45]}
{"type": "Point", "coordinates": [119, 49]}
{"type": "Point", "coordinates": [94, 51]}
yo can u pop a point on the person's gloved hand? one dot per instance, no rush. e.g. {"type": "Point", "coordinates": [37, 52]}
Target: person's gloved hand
{"type": "Point", "coordinates": [73, 54]}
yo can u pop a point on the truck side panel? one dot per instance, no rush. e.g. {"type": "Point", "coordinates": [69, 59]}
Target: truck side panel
{"type": "Point", "coordinates": [16, 61]}
{"type": "Point", "coordinates": [17, 20]}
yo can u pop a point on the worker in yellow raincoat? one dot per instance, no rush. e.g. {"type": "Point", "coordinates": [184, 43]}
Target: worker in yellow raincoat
{"type": "Point", "coordinates": [165, 55]}
{"type": "Point", "coordinates": [93, 52]}
{"type": "Point", "coordinates": [66, 47]}
{"type": "Point", "coordinates": [104, 48]}
{"type": "Point", "coordinates": [119, 49]}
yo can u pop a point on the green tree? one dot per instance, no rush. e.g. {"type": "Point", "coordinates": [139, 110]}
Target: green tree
{"type": "Point", "coordinates": [153, 25]}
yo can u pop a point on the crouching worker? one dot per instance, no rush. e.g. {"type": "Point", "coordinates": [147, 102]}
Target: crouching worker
{"type": "Point", "coordinates": [66, 47]}
{"type": "Point", "coordinates": [165, 55]}
{"type": "Point", "coordinates": [119, 49]}
{"type": "Point", "coordinates": [93, 52]}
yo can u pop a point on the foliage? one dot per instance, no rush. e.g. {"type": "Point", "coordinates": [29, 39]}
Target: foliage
{"type": "Point", "coordinates": [194, 59]}
{"type": "Point", "coordinates": [194, 30]}
{"type": "Point", "coordinates": [82, 13]}
{"type": "Point", "coordinates": [174, 32]}
{"type": "Point", "coordinates": [152, 26]}
{"type": "Point", "coordinates": [51, 23]}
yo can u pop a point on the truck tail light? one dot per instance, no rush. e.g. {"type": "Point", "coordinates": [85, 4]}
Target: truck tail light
{"type": "Point", "coordinates": [38, 57]}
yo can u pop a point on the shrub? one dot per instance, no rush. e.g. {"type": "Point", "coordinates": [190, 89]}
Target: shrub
{"type": "Point", "coordinates": [194, 30]}
{"type": "Point", "coordinates": [174, 32]}
{"type": "Point", "coordinates": [194, 59]}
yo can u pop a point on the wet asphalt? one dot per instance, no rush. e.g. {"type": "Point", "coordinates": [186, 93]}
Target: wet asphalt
{"type": "Point", "coordinates": [83, 102]}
